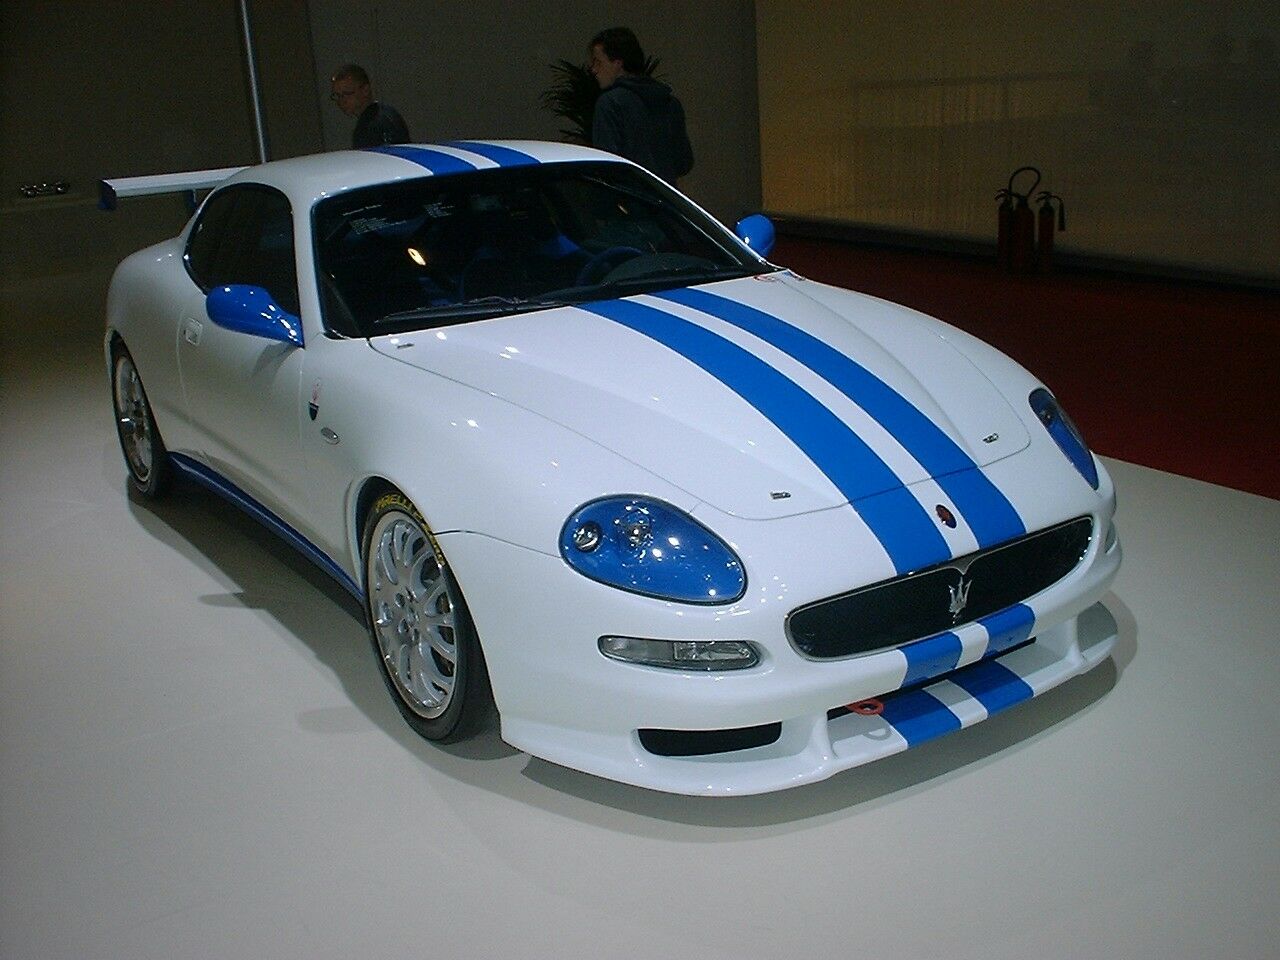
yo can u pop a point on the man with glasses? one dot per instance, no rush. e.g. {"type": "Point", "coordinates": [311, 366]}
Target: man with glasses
{"type": "Point", "coordinates": [377, 123]}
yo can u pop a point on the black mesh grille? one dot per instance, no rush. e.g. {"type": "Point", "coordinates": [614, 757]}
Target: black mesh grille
{"type": "Point", "coordinates": [919, 605]}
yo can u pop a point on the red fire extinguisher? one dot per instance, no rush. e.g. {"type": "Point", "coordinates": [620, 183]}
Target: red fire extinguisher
{"type": "Point", "coordinates": [1045, 227]}
{"type": "Point", "coordinates": [1021, 250]}
{"type": "Point", "coordinates": [1022, 253]}
{"type": "Point", "coordinates": [1004, 226]}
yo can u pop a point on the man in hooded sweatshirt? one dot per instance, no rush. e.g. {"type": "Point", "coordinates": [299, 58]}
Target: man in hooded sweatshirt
{"type": "Point", "coordinates": [636, 116]}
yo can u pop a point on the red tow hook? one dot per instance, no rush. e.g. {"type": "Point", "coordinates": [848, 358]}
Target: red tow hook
{"type": "Point", "coordinates": [866, 708]}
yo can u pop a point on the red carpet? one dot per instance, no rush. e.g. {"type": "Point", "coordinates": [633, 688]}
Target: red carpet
{"type": "Point", "coordinates": [1180, 377]}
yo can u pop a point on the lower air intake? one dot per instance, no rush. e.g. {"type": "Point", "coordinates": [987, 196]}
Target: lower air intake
{"type": "Point", "coordinates": [700, 743]}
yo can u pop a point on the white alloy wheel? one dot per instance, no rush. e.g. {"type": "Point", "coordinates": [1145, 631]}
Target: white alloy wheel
{"type": "Point", "coordinates": [140, 442]}
{"type": "Point", "coordinates": [413, 613]}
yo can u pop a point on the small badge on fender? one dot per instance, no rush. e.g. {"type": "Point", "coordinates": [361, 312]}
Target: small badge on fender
{"type": "Point", "coordinates": [945, 515]}
{"type": "Point", "coordinates": [313, 408]}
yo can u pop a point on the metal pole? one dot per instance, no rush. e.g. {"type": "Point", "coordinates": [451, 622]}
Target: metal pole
{"type": "Point", "coordinates": [255, 86]}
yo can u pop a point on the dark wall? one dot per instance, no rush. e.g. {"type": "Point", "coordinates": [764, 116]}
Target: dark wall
{"type": "Point", "coordinates": [108, 89]}
{"type": "Point", "coordinates": [92, 90]}
{"type": "Point", "coordinates": [475, 68]}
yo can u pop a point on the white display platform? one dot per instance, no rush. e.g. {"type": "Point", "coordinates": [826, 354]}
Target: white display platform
{"type": "Point", "coordinates": [198, 759]}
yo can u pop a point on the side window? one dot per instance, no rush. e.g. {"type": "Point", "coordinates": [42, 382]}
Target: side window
{"type": "Point", "coordinates": [206, 236]}
{"type": "Point", "coordinates": [248, 239]}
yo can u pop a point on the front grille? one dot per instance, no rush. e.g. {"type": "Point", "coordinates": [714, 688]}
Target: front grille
{"type": "Point", "coordinates": [895, 612]}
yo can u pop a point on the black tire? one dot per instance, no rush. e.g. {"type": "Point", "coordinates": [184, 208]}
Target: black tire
{"type": "Point", "coordinates": [144, 452]}
{"type": "Point", "coordinates": [422, 633]}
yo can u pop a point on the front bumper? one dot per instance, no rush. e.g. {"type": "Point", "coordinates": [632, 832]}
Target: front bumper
{"type": "Point", "coordinates": [560, 699]}
{"type": "Point", "coordinates": [816, 745]}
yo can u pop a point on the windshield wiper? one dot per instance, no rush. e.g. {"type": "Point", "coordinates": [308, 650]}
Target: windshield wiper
{"type": "Point", "coordinates": [688, 273]}
{"type": "Point", "coordinates": [479, 307]}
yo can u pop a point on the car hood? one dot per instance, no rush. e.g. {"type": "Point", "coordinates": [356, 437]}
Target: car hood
{"type": "Point", "coordinates": [764, 396]}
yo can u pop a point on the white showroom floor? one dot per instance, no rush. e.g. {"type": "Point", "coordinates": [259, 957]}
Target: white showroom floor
{"type": "Point", "coordinates": [197, 758]}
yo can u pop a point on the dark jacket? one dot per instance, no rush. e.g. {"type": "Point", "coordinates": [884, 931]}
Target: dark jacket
{"type": "Point", "coordinates": [379, 123]}
{"type": "Point", "coordinates": [640, 119]}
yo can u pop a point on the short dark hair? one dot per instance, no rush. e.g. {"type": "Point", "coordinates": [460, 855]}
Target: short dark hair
{"type": "Point", "coordinates": [351, 71]}
{"type": "Point", "coordinates": [619, 43]}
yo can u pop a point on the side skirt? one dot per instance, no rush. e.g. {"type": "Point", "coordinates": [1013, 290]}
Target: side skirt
{"type": "Point", "coordinates": [224, 488]}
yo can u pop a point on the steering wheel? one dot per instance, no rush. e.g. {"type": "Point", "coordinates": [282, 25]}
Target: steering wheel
{"type": "Point", "coordinates": [609, 257]}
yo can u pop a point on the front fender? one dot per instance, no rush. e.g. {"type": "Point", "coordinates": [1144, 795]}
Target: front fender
{"type": "Point", "coordinates": [471, 462]}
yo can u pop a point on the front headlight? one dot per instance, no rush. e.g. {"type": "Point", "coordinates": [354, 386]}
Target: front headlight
{"type": "Point", "coordinates": [1065, 433]}
{"type": "Point", "coordinates": [651, 548]}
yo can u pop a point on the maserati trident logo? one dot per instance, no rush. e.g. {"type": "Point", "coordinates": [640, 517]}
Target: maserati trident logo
{"type": "Point", "coordinates": [959, 599]}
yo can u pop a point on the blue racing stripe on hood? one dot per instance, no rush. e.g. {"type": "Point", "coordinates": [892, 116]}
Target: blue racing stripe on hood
{"type": "Point", "coordinates": [988, 512]}
{"type": "Point", "coordinates": [502, 156]}
{"type": "Point", "coordinates": [433, 160]}
{"type": "Point", "coordinates": [897, 519]}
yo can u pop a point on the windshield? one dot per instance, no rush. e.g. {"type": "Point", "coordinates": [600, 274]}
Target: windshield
{"type": "Point", "coordinates": [442, 250]}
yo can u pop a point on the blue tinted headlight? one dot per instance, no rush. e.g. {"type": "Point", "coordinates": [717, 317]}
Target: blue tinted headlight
{"type": "Point", "coordinates": [1065, 433]}
{"type": "Point", "coordinates": [651, 548]}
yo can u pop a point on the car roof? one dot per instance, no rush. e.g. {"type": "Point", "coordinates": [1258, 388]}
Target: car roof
{"type": "Point", "coordinates": [305, 180]}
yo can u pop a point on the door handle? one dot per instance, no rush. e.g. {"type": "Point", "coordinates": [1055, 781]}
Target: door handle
{"type": "Point", "coordinates": [191, 330]}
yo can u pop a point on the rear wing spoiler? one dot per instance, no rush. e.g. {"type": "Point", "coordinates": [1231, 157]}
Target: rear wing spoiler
{"type": "Point", "coordinates": [111, 191]}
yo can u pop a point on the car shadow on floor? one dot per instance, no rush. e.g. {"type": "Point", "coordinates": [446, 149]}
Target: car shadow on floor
{"type": "Point", "coordinates": [272, 577]}
{"type": "Point", "coordinates": [268, 575]}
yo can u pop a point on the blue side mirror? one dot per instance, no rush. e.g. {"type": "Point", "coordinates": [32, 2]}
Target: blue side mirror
{"type": "Point", "coordinates": [757, 232]}
{"type": "Point", "coordinates": [252, 310]}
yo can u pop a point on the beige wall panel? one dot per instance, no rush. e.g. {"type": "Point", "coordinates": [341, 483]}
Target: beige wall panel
{"type": "Point", "coordinates": [1156, 120]}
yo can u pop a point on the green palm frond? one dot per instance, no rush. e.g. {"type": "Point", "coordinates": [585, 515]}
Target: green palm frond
{"type": "Point", "coordinates": [572, 97]}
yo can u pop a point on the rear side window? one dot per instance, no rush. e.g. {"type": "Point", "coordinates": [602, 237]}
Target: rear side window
{"type": "Point", "coordinates": [245, 235]}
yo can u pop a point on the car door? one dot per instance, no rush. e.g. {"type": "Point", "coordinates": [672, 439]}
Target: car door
{"type": "Point", "coordinates": [242, 391]}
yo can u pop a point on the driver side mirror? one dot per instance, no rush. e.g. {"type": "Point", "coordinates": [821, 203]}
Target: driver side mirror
{"type": "Point", "coordinates": [254, 311]}
{"type": "Point", "coordinates": [757, 232]}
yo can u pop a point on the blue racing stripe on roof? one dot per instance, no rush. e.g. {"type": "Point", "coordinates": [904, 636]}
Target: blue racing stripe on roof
{"type": "Point", "coordinates": [433, 160]}
{"type": "Point", "coordinates": [502, 156]}
{"type": "Point", "coordinates": [988, 512]}
{"type": "Point", "coordinates": [1008, 627]}
{"type": "Point", "coordinates": [993, 685]}
{"type": "Point", "coordinates": [931, 658]}
{"type": "Point", "coordinates": [897, 519]}
{"type": "Point", "coordinates": [918, 716]}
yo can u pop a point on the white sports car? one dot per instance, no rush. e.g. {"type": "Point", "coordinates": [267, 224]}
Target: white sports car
{"type": "Point", "coordinates": [687, 520]}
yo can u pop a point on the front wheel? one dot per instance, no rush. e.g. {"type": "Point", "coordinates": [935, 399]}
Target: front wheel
{"type": "Point", "coordinates": [144, 452]}
{"type": "Point", "coordinates": [421, 630]}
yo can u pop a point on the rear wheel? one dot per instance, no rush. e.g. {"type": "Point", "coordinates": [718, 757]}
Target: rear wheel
{"type": "Point", "coordinates": [421, 630]}
{"type": "Point", "coordinates": [144, 452]}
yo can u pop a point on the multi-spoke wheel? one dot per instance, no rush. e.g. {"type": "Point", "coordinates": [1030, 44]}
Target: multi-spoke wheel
{"type": "Point", "coordinates": [421, 630]}
{"type": "Point", "coordinates": [144, 452]}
